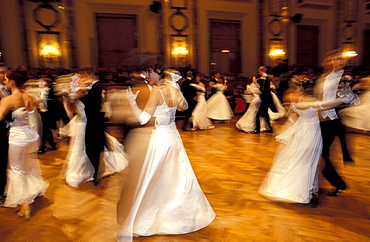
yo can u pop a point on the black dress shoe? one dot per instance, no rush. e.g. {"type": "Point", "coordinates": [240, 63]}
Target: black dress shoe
{"type": "Point", "coordinates": [334, 192]}
{"type": "Point", "coordinates": [348, 161]}
{"type": "Point", "coordinates": [2, 200]}
{"type": "Point", "coordinates": [314, 201]}
{"type": "Point", "coordinates": [96, 182]}
{"type": "Point", "coordinates": [42, 151]}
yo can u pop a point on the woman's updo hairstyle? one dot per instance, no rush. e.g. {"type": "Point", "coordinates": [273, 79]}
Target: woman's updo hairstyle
{"type": "Point", "coordinates": [19, 75]}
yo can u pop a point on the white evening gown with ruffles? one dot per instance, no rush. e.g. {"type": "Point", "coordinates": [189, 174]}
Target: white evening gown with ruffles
{"type": "Point", "coordinates": [78, 168]}
{"type": "Point", "coordinates": [293, 175]}
{"type": "Point", "coordinates": [168, 198]}
{"type": "Point", "coordinates": [24, 181]}
{"type": "Point", "coordinates": [218, 105]}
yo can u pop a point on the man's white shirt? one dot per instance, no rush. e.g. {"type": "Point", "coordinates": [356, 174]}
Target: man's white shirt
{"type": "Point", "coordinates": [330, 89]}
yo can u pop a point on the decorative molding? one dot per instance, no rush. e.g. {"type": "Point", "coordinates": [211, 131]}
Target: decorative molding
{"type": "Point", "coordinates": [316, 4]}
{"type": "Point", "coordinates": [176, 25]}
{"type": "Point", "coordinates": [243, 1]}
{"type": "Point", "coordinates": [216, 14]}
{"type": "Point", "coordinates": [196, 35]}
{"type": "Point", "coordinates": [115, 8]}
{"type": "Point", "coordinates": [38, 11]}
{"type": "Point", "coordinates": [24, 32]}
{"type": "Point", "coordinates": [71, 30]}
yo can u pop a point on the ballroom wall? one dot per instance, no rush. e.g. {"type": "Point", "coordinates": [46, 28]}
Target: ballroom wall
{"type": "Point", "coordinates": [19, 32]}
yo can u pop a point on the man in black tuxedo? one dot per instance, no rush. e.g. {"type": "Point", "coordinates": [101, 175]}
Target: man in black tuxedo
{"type": "Point", "coordinates": [46, 110]}
{"type": "Point", "coordinates": [3, 137]}
{"type": "Point", "coordinates": [266, 99]}
{"type": "Point", "coordinates": [190, 94]}
{"type": "Point", "coordinates": [326, 89]}
{"type": "Point", "coordinates": [94, 133]}
{"type": "Point", "coordinates": [216, 77]}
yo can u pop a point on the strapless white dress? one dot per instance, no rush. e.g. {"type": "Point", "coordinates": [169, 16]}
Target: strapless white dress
{"type": "Point", "coordinates": [25, 182]}
{"type": "Point", "coordinates": [218, 107]}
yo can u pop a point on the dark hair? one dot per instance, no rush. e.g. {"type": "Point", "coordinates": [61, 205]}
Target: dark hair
{"type": "Point", "coordinates": [19, 75]}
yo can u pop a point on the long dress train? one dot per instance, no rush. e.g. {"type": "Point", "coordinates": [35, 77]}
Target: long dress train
{"type": "Point", "coordinates": [25, 182]}
{"type": "Point", "coordinates": [168, 198]}
{"type": "Point", "coordinates": [293, 175]}
{"type": "Point", "coordinates": [78, 168]}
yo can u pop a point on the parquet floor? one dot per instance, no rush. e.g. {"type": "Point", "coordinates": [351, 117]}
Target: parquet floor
{"type": "Point", "coordinates": [230, 166]}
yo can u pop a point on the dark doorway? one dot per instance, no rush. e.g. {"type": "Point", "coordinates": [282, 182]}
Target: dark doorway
{"type": "Point", "coordinates": [307, 45]}
{"type": "Point", "coordinates": [366, 47]}
{"type": "Point", "coordinates": [117, 35]}
{"type": "Point", "coordinates": [225, 46]}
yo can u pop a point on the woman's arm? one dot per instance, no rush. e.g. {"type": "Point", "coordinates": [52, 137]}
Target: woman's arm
{"type": "Point", "coordinates": [198, 87]}
{"type": "Point", "coordinates": [182, 103]}
{"type": "Point", "coordinates": [143, 116]}
{"type": "Point", "coordinates": [308, 102]}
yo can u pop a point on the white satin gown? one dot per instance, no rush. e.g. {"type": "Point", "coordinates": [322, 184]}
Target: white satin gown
{"type": "Point", "coordinates": [78, 168]}
{"type": "Point", "coordinates": [168, 198]}
{"type": "Point", "coordinates": [24, 179]}
{"type": "Point", "coordinates": [199, 117]}
{"type": "Point", "coordinates": [293, 175]}
{"type": "Point", "coordinates": [247, 122]}
{"type": "Point", "coordinates": [218, 105]}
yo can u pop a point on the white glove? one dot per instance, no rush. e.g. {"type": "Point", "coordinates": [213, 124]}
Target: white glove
{"type": "Point", "coordinates": [131, 97]}
{"type": "Point", "coordinates": [349, 97]}
{"type": "Point", "coordinates": [142, 116]}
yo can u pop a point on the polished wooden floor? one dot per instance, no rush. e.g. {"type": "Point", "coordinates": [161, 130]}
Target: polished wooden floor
{"type": "Point", "coordinates": [230, 166]}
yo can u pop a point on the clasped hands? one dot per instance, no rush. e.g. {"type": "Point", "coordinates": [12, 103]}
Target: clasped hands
{"type": "Point", "coordinates": [349, 97]}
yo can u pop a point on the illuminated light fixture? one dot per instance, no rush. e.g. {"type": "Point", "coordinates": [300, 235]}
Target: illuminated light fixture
{"type": "Point", "coordinates": [225, 51]}
{"type": "Point", "coordinates": [277, 52]}
{"type": "Point", "coordinates": [180, 50]}
{"type": "Point", "coordinates": [213, 64]}
{"type": "Point", "coordinates": [350, 54]}
{"type": "Point", "coordinates": [49, 51]}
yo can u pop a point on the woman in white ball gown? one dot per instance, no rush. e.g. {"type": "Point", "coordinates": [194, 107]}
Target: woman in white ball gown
{"type": "Point", "coordinates": [247, 122]}
{"type": "Point", "coordinates": [78, 168]}
{"type": "Point", "coordinates": [218, 105]}
{"type": "Point", "coordinates": [293, 176]}
{"type": "Point", "coordinates": [24, 180]}
{"type": "Point", "coordinates": [168, 198]}
{"type": "Point", "coordinates": [199, 117]}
